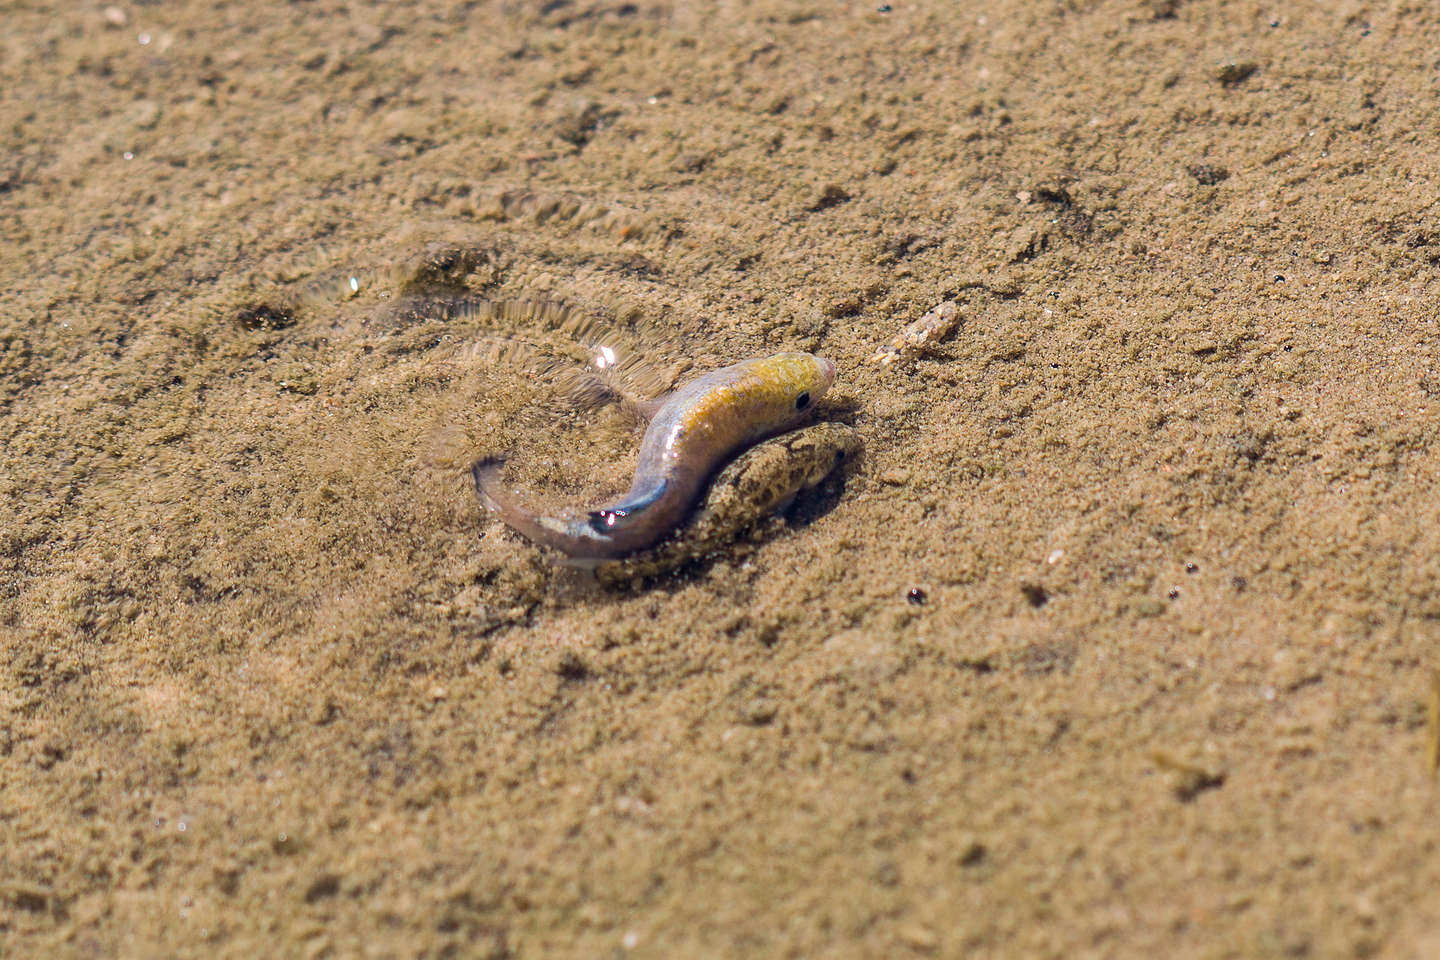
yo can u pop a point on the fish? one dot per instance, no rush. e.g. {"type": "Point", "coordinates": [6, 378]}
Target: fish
{"type": "Point", "coordinates": [762, 480]}
{"type": "Point", "coordinates": [692, 431]}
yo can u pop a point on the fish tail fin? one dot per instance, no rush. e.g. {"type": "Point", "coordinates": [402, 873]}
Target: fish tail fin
{"type": "Point", "coordinates": [571, 537]}
{"type": "Point", "coordinates": [486, 474]}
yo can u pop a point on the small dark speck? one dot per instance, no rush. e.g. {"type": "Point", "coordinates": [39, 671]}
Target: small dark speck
{"type": "Point", "coordinates": [572, 668]}
{"type": "Point", "coordinates": [917, 596]}
{"type": "Point", "coordinates": [1208, 175]}
{"type": "Point", "coordinates": [1274, 23]}
{"type": "Point", "coordinates": [1365, 32]}
{"type": "Point", "coordinates": [327, 885]}
{"type": "Point", "coordinates": [972, 854]}
{"type": "Point", "coordinates": [1239, 583]}
{"type": "Point", "coordinates": [1174, 593]}
{"type": "Point", "coordinates": [885, 8]}
{"type": "Point", "coordinates": [1192, 568]}
{"type": "Point", "coordinates": [1234, 72]}
{"type": "Point", "coordinates": [1279, 278]}
{"type": "Point", "coordinates": [1035, 594]}
{"type": "Point", "coordinates": [265, 317]}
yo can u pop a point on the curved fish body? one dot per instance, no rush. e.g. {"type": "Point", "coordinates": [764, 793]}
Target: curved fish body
{"type": "Point", "coordinates": [691, 432]}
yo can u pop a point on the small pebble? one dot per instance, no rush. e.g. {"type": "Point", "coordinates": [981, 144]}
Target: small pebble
{"type": "Point", "coordinates": [919, 336]}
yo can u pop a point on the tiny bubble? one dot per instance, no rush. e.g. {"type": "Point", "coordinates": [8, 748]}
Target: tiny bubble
{"type": "Point", "coordinates": [128, 155]}
{"type": "Point", "coordinates": [652, 100]}
{"type": "Point", "coordinates": [144, 39]}
{"type": "Point", "coordinates": [354, 285]}
{"type": "Point", "coordinates": [1192, 568]}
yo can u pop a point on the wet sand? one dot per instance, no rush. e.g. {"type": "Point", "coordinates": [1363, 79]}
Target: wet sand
{"type": "Point", "coordinates": [1117, 641]}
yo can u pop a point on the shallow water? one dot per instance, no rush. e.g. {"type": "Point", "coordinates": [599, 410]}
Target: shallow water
{"type": "Point", "coordinates": [1117, 639]}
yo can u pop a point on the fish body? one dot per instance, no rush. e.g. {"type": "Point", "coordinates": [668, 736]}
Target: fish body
{"type": "Point", "coordinates": [692, 430]}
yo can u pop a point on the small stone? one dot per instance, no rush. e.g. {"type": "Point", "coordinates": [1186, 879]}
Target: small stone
{"type": "Point", "coordinates": [1207, 175]}
{"type": "Point", "coordinates": [325, 885]}
{"type": "Point", "coordinates": [920, 336]}
{"type": "Point", "coordinates": [831, 195]}
{"type": "Point", "coordinates": [759, 712]}
{"type": "Point", "coordinates": [918, 937]}
{"type": "Point", "coordinates": [972, 853]}
{"type": "Point", "coordinates": [1149, 607]}
{"type": "Point", "coordinates": [1233, 72]}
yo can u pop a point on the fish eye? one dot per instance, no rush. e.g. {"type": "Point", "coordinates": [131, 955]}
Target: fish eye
{"type": "Point", "coordinates": [802, 401]}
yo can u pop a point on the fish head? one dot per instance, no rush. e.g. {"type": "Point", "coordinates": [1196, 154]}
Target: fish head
{"type": "Point", "coordinates": [796, 382]}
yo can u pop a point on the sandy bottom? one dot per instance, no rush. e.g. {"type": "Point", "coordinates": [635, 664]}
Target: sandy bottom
{"type": "Point", "coordinates": [1117, 641]}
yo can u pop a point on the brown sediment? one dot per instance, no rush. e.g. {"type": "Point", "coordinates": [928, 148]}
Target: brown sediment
{"type": "Point", "coordinates": [1432, 748]}
{"type": "Point", "coordinates": [1117, 642]}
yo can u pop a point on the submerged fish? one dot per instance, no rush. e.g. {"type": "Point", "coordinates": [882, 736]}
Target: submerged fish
{"type": "Point", "coordinates": [759, 482]}
{"type": "Point", "coordinates": [692, 430]}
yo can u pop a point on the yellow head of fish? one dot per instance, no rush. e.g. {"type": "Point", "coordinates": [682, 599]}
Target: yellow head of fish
{"type": "Point", "coordinates": [787, 385]}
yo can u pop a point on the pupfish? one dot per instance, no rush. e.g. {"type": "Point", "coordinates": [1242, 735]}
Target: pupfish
{"type": "Point", "coordinates": [692, 430]}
